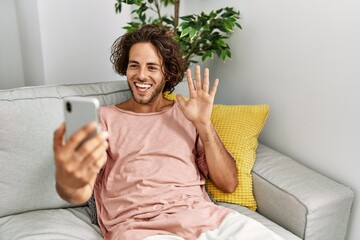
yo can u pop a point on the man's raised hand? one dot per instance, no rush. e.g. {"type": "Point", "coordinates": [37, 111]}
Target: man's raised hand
{"type": "Point", "coordinates": [198, 108]}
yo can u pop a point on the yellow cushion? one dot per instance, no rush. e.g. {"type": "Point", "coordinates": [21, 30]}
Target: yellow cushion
{"type": "Point", "coordinates": [170, 96]}
{"type": "Point", "coordinates": [239, 127]}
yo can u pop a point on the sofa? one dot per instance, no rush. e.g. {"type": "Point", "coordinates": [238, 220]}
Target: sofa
{"type": "Point", "coordinates": [292, 200]}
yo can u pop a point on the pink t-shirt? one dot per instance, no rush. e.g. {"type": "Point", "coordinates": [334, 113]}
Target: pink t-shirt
{"type": "Point", "coordinates": [153, 181]}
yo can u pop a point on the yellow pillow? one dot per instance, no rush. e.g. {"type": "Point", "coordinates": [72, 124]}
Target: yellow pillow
{"type": "Point", "coordinates": [239, 127]}
{"type": "Point", "coordinates": [171, 96]}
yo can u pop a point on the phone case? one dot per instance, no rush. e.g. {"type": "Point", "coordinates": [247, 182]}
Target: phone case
{"type": "Point", "coordinates": [79, 111]}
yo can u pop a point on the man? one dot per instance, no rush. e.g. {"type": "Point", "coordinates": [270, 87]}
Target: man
{"type": "Point", "coordinates": [147, 169]}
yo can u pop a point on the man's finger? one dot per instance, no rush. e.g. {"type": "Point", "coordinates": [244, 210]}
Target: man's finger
{"type": "Point", "coordinates": [190, 82]}
{"type": "Point", "coordinates": [90, 145]}
{"type": "Point", "coordinates": [97, 159]}
{"type": "Point", "coordinates": [59, 136]}
{"type": "Point", "coordinates": [206, 80]}
{"type": "Point", "coordinates": [214, 88]}
{"type": "Point", "coordinates": [198, 77]}
{"type": "Point", "coordinates": [79, 136]}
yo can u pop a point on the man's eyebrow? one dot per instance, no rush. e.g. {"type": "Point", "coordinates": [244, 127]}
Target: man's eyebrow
{"type": "Point", "coordinates": [153, 63]}
{"type": "Point", "coordinates": [149, 63]}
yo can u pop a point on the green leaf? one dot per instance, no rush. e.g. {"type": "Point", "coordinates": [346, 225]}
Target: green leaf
{"type": "Point", "coordinates": [229, 26]}
{"type": "Point", "coordinates": [118, 7]}
{"type": "Point", "coordinates": [185, 32]}
{"type": "Point", "coordinates": [223, 55]}
{"type": "Point", "coordinates": [221, 42]}
{"type": "Point", "coordinates": [182, 25]}
{"type": "Point", "coordinates": [187, 18]}
{"type": "Point", "coordinates": [207, 27]}
{"type": "Point", "coordinates": [207, 54]}
{"type": "Point", "coordinates": [238, 25]}
{"type": "Point", "coordinates": [212, 15]}
{"type": "Point", "coordinates": [228, 54]}
{"type": "Point", "coordinates": [192, 33]}
{"type": "Point", "coordinates": [167, 2]}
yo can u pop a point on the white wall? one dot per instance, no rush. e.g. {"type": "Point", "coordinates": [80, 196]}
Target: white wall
{"type": "Point", "coordinates": [302, 58]}
{"type": "Point", "coordinates": [30, 41]}
{"type": "Point", "coordinates": [77, 38]}
{"type": "Point", "coordinates": [11, 69]}
{"type": "Point", "coordinates": [51, 42]}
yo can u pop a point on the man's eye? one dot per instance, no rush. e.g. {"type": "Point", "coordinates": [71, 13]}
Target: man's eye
{"type": "Point", "coordinates": [132, 66]}
{"type": "Point", "coordinates": [153, 68]}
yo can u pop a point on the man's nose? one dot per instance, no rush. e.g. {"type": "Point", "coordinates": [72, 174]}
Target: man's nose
{"type": "Point", "coordinates": [142, 73]}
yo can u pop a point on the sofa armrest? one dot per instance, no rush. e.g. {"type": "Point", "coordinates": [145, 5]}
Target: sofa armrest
{"type": "Point", "coordinates": [299, 199]}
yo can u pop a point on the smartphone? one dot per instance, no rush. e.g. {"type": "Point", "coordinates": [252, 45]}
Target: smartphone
{"type": "Point", "coordinates": [79, 111]}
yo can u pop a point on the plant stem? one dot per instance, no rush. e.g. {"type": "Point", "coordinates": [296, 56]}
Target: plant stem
{"type": "Point", "coordinates": [158, 6]}
{"type": "Point", "coordinates": [176, 12]}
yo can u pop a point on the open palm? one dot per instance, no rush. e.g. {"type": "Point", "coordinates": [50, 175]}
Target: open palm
{"type": "Point", "coordinates": [199, 107]}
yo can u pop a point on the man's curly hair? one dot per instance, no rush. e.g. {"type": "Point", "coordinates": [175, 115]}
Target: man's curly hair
{"type": "Point", "coordinates": [174, 64]}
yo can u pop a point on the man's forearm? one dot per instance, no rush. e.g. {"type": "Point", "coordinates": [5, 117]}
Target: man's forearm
{"type": "Point", "coordinates": [221, 165]}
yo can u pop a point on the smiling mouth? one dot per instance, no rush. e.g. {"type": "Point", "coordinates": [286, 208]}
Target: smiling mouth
{"type": "Point", "coordinates": [143, 87]}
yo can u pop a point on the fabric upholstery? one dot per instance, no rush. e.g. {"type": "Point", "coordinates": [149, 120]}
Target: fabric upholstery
{"type": "Point", "coordinates": [287, 235]}
{"type": "Point", "coordinates": [69, 223]}
{"type": "Point", "coordinates": [308, 204]}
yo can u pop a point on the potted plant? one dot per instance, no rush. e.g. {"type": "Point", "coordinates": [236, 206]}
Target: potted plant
{"type": "Point", "coordinates": [202, 35]}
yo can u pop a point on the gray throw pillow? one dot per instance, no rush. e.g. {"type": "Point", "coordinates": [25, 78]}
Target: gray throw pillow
{"type": "Point", "coordinates": [93, 213]}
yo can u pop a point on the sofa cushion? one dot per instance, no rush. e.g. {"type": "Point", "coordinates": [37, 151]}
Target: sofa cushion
{"type": "Point", "coordinates": [282, 232]}
{"type": "Point", "coordinates": [70, 223]}
{"type": "Point", "coordinates": [301, 200]}
{"type": "Point", "coordinates": [28, 119]}
{"type": "Point", "coordinates": [239, 127]}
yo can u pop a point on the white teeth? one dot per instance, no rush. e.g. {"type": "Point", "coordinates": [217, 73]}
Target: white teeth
{"type": "Point", "coordinates": [143, 85]}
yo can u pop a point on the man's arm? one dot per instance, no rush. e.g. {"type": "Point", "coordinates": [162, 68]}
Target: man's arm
{"type": "Point", "coordinates": [77, 167]}
{"type": "Point", "coordinates": [221, 165]}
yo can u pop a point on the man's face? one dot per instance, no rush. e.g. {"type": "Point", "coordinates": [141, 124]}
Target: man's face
{"type": "Point", "coordinates": [144, 73]}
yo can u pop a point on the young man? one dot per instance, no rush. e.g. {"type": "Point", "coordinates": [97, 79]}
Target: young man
{"type": "Point", "coordinates": [147, 169]}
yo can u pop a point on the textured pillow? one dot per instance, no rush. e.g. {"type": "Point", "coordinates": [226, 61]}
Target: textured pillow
{"type": "Point", "coordinates": [239, 127]}
{"type": "Point", "coordinates": [171, 96]}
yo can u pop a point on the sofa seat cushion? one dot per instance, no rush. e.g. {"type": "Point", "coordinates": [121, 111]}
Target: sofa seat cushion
{"type": "Point", "coordinates": [74, 223]}
{"type": "Point", "coordinates": [70, 223]}
{"type": "Point", "coordinates": [263, 220]}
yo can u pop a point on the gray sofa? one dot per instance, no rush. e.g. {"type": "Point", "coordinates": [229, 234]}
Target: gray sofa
{"type": "Point", "coordinates": [293, 201]}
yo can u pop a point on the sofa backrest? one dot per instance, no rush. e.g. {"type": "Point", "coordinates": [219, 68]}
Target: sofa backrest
{"type": "Point", "coordinates": [28, 118]}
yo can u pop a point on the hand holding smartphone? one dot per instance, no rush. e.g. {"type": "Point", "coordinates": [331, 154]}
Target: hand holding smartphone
{"type": "Point", "coordinates": [78, 112]}
{"type": "Point", "coordinates": [76, 166]}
